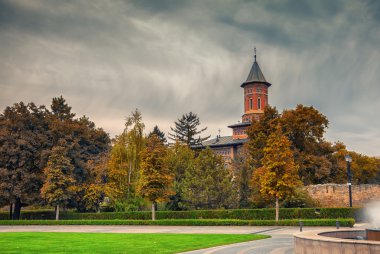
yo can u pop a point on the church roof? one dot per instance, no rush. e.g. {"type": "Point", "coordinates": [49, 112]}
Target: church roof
{"type": "Point", "coordinates": [223, 141]}
{"type": "Point", "coordinates": [255, 75]}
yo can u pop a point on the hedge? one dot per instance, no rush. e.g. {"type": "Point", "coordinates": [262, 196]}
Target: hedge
{"type": "Point", "coordinates": [179, 222]}
{"type": "Point", "coordinates": [241, 214]}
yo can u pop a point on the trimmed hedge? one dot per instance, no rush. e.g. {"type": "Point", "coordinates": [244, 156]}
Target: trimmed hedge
{"type": "Point", "coordinates": [201, 222]}
{"type": "Point", "coordinates": [241, 214]}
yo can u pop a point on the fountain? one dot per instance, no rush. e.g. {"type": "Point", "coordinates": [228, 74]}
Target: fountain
{"type": "Point", "coordinates": [364, 241]}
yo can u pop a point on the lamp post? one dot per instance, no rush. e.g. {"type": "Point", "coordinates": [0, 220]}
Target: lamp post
{"type": "Point", "coordinates": [349, 160]}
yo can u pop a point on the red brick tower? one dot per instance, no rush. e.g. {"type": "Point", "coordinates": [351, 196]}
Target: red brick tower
{"type": "Point", "coordinates": [255, 100]}
{"type": "Point", "coordinates": [255, 93]}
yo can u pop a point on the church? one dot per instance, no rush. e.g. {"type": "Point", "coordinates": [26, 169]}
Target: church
{"type": "Point", "coordinates": [255, 100]}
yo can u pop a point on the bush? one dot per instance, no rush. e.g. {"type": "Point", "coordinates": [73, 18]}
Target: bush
{"type": "Point", "coordinates": [240, 214]}
{"type": "Point", "coordinates": [300, 198]}
{"type": "Point", "coordinates": [202, 222]}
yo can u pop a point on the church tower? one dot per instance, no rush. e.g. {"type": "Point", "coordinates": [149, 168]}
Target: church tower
{"type": "Point", "coordinates": [255, 93]}
{"type": "Point", "coordinates": [255, 100]}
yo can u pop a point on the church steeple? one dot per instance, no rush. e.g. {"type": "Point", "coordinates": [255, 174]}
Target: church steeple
{"type": "Point", "coordinates": [255, 74]}
{"type": "Point", "coordinates": [255, 93]}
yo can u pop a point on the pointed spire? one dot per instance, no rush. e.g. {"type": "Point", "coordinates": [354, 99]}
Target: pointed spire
{"type": "Point", "coordinates": [255, 74]}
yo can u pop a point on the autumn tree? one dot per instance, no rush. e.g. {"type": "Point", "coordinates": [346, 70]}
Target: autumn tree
{"type": "Point", "coordinates": [57, 188]}
{"type": "Point", "coordinates": [180, 159]}
{"type": "Point", "coordinates": [156, 179]}
{"type": "Point", "coordinates": [125, 160]}
{"type": "Point", "coordinates": [186, 130]}
{"type": "Point", "coordinates": [258, 134]}
{"type": "Point", "coordinates": [156, 131]}
{"type": "Point", "coordinates": [364, 169]}
{"type": "Point", "coordinates": [83, 141]}
{"type": "Point", "coordinates": [24, 148]}
{"type": "Point", "coordinates": [208, 184]}
{"type": "Point", "coordinates": [277, 177]}
{"type": "Point", "coordinates": [305, 126]}
{"type": "Point", "coordinates": [96, 188]}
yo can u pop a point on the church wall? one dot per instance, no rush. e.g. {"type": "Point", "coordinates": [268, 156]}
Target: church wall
{"type": "Point", "coordinates": [336, 195]}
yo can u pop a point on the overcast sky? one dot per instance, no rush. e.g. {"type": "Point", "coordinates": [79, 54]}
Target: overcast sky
{"type": "Point", "coordinates": [167, 58]}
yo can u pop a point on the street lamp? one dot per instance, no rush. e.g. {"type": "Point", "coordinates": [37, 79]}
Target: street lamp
{"type": "Point", "coordinates": [348, 159]}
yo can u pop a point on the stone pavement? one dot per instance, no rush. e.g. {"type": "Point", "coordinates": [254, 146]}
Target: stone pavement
{"type": "Point", "coordinates": [281, 241]}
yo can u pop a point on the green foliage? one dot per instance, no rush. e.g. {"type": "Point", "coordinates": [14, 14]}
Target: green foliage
{"type": "Point", "coordinates": [180, 159]}
{"type": "Point", "coordinates": [189, 222]}
{"type": "Point", "coordinates": [131, 204]}
{"type": "Point", "coordinates": [299, 198]}
{"type": "Point", "coordinates": [239, 214]}
{"type": "Point", "coordinates": [186, 129]}
{"type": "Point", "coordinates": [242, 172]}
{"type": "Point", "coordinates": [208, 184]}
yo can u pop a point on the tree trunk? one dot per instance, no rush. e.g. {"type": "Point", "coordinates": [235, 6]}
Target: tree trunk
{"type": "Point", "coordinates": [57, 213]}
{"type": "Point", "coordinates": [153, 211]}
{"type": "Point", "coordinates": [10, 211]}
{"type": "Point", "coordinates": [277, 210]}
{"type": "Point", "coordinates": [17, 209]}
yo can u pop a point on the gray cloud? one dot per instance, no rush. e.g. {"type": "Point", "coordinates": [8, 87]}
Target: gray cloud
{"type": "Point", "coordinates": [171, 57]}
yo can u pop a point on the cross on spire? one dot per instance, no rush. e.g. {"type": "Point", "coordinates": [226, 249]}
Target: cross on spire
{"type": "Point", "coordinates": [255, 52]}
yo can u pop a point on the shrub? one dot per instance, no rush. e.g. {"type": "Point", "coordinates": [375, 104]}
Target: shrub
{"type": "Point", "coordinates": [200, 222]}
{"type": "Point", "coordinates": [241, 214]}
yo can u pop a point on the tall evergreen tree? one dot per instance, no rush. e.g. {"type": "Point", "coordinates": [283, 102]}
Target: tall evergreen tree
{"type": "Point", "coordinates": [156, 131]}
{"type": "Point", "coordinates": [186, 130]}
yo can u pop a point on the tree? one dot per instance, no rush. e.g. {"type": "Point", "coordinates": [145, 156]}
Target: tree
{"type": "Point", "coordinates": [278, 176]}
{"type": "Point", "coordinates": [24, 146]}
{"type": "Point", "coordinates": [57, 188]}
{"type": "Point", "coordinates": [305, 127]}
{"type": "Point", "coordinates": [125, 160]}
{"type": "Point", "coordinates": [156, 179]}
{"type": "Point", "coordinates": [83, 141]}
{"type": "Point", "coordinates": [258, 134]}
{"type": "Point", "coordinates": [208, 184]}
{"type": "Point", "coordinates": [159, 134]}
{"type": "Point", "coordinates": [242, 171]}
{"type": "Point", "coordinates": [180, 158]}
{"type": "Point", "coordinates": [186, 129]}
{"type": "Point", "coordinates": [95, 189]}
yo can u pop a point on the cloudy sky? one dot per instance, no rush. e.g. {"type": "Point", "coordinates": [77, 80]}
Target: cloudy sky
{"type": "Point", "coordinates": [170, 57]}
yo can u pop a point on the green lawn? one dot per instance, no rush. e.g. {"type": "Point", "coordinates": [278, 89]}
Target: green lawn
{"type": "Point", "coordinates": [113, 243]}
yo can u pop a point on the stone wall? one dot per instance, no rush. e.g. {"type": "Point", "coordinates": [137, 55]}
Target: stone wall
{"type": "Point", "coordinates": [336, 195]}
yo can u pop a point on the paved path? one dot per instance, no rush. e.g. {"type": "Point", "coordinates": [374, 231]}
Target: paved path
{"type": "Point", "coordinates": [281, 241]}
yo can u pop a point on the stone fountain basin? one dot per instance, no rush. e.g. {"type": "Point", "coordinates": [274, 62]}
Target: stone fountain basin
{"type": "Point", "coordinates": [373, 234]}
{"type": "Point", "coordinates": [334, 241]}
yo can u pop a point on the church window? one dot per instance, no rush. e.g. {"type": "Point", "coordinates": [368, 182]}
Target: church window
{"type": "Point", "coordinates": [259, 103]}
{"type": "Point", "coordinates": [250, 103]}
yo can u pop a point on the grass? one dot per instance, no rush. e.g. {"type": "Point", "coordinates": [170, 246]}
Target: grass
{"type": "Point", "coordinates": [114, 243]}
